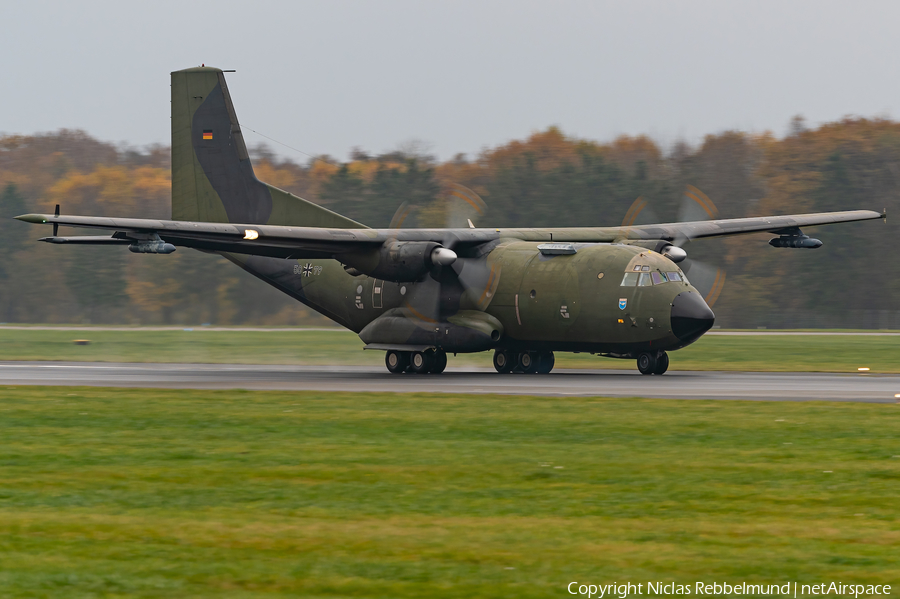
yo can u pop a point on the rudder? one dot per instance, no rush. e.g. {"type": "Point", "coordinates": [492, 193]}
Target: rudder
{"type": "Point", "coordinates": [212, 176]}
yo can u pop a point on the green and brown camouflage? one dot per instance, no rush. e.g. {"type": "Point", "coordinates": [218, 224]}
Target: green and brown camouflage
{"type": "Point", "coordinates": [421, 293]}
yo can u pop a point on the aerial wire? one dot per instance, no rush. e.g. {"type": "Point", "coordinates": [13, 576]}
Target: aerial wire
{"type": "Point", "coordinates": [289, 147]}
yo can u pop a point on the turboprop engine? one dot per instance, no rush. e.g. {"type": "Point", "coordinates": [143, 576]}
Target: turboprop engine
{"type": "Point", "coordinates": [399, 261]}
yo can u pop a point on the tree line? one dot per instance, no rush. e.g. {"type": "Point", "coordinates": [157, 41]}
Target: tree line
{"type": "Point", "coordinates": [548, 179]}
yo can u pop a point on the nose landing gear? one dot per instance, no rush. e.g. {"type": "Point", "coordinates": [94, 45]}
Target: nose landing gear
{"type": "Point", "coordinates": [653, 362]}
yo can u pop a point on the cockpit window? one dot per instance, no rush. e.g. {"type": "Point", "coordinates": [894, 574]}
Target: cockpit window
{"type": "Point", "coordinates": [645, 268]}
{"type": "Point", "coordinates": [630, 279]}
{"type": "Point", "coordinates": [658, 278]}
{"type": "Point", "coordinates": [644, 280]}
{"type": "Point", "coordinates": [673, 276]}
{"type": "Point", "coordinates": [636, 267]}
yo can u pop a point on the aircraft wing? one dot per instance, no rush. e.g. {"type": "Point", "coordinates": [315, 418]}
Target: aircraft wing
{"type": "Point", "coordinates": [261, 240]}
{"type": "Point", "coordinates": [281, 241]}
{"type": "Point", "coordinates": [716, 228]}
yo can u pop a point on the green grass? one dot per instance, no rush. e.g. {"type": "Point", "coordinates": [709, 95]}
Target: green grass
{"type": "Point", "coordinates": [755, 353]}
{"type": "Point", "coordinates": [140, 493]}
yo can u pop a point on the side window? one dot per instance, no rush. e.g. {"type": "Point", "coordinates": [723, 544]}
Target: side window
{"type": "Point", "coordinates": [674, 276]}
{"type": "Point", "coordinates": [630, 279]}
{"type": "Point", "coordinates": [644, 280]}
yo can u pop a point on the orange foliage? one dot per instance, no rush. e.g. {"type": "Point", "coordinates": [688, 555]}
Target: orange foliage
{"type": "Point", "coordinates": [110, 188]}
{"type": "Point", "coordinates": [319, 174]}
{"type": "Point", "coordinates": [280, 178]}
{"type": "Point", "coordinates": [549, 149]}
{"type": "Point", "coordinates": [626, 152]}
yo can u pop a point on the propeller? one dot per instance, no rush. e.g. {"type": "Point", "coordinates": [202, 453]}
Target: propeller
{"type": "Point", "coordinates": [695, 206]}
{"type": "Point", "coordinates": [464, 205]}
{"type": "Point", "coordinates": [458, 281]}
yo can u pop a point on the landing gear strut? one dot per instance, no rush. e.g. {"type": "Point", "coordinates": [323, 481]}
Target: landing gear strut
{"type": "Point", "coordinates": [653, 362]}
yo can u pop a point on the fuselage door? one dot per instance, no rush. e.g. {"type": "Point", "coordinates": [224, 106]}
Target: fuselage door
{"type": "Point", "coordinates": [377, 292]}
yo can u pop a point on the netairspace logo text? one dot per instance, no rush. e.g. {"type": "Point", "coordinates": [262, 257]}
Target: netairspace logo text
{"type": "Point", "coordinates": [788, 589]}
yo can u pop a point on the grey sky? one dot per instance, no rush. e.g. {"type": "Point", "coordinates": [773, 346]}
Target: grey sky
{"type": "Point", "coordinates": [328, 75]}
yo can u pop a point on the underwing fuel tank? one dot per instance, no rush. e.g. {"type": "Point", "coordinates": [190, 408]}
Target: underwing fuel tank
{"type": "Point", "coordinates": [151, 247]}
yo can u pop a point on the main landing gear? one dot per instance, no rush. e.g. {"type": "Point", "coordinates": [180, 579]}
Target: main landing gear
{"type": "Point", "coordinates": [523, 362]}
{"type": "Point", "coordinates": [434, 361]}
{"type": "Point", "coordinates": [653, 362]}
{"type": "Point", "coordinates": [419, 362]}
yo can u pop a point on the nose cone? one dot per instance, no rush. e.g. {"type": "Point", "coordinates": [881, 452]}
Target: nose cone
{"type": "Point", "coordinates": [691, 317]}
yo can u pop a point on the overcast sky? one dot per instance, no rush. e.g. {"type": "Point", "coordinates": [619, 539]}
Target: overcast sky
{"type": "Point", "coordinates": [327, 75]}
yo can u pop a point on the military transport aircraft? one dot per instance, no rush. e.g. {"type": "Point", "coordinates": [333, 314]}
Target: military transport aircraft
{"type": "Point", "coordinates": [418, 294]}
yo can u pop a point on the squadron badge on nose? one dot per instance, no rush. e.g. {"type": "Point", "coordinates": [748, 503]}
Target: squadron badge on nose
{"type": "Point", "coordinates": [622, 303]}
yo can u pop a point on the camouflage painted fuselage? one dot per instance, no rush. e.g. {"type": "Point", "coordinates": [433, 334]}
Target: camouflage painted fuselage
{"type": "Point", "coordinates": [542, 302]}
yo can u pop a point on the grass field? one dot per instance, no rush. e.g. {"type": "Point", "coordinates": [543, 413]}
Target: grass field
{"type": "Point", "coordinates": [815, 353]}
{"type": "Point", "coordinates": [139, 493]}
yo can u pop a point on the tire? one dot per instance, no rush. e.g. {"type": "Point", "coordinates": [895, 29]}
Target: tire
{"type": "Point", "coordinates": [439, 362]}
{"type": "Point", "coordinates": [527, 362]}
{"type": "Point", "coordinates": [502, 361]}
{"type": "Point", "coordinates": [646, 362]}
{"type": "Point", "coordinates": [662, 363]}
{"type": "Point", "coordinates": [545, 362]}
{"type": "Point", "coordinates": [420, 362]}
{"type": "Point", "coordinates": [396, 361]}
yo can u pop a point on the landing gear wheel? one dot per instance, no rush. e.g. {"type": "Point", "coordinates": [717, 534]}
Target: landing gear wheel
{"type": "Point", "coordinates": [527, 363]}
{"type": "Point", "coordinates": [396, 361]}
{"type": "Point", "coordinates": [662, 363]}
{"type": "Point", "coordinates": [502, 361]}
{"type": "Point", "coordinates": [439, 362]}
{"type": "Point", "coordinates": [420, 361]}
{"type": "Point", "coordinates": [545, 362]}
{"type": "Point", "coordinates": [646, 362]}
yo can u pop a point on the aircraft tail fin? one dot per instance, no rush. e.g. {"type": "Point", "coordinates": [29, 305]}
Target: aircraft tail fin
{"type": "Point", "coordinates": [212, 177]}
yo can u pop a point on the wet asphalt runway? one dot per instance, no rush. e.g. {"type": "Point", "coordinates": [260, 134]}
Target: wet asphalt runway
{"type": "Point", "coordinates": [616, 383]}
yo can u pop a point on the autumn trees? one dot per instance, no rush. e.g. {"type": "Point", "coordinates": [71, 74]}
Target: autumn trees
{"type": "Point", "coordinates": [549, 179]}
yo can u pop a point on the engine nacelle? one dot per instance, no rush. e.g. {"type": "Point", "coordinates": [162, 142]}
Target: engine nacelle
{"type": "Point", "coordinates": [661, 246]}
{"type": "Point", "coordinates": [674, 253]}
{"type": "Point", "coordinates": [399, 261]}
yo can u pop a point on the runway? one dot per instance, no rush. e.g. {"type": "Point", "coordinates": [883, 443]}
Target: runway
{"type": "Point", "coordinates": [612, 383]}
